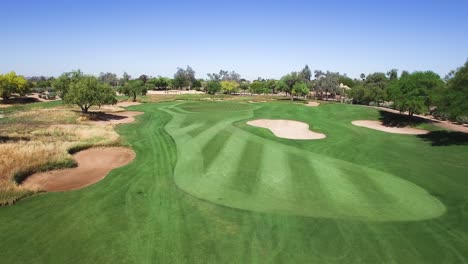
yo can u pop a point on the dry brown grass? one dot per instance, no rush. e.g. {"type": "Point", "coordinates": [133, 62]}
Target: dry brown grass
{"type": "Point", "coordinates": [38, 140]}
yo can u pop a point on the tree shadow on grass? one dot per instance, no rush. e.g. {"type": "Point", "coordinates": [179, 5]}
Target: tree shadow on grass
{"type": "Point", "coordinates": [100, 116]}
{"type": "Point", "coordinates": [445, 138]}
{"type": "Point", "coordinates": [401, 120]}
{"type": "Point", "coordinates": [6, 139]}
{"type": "Point", "coordinates": [19, 100]}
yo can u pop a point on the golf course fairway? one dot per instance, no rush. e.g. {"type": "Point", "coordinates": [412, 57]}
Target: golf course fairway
{"type": "Point", "coordinates": [206, 187]}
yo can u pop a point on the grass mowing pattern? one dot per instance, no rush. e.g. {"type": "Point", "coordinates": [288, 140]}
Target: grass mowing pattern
{"type": "Point", "coordinates": [138, 215]}
{"type": "Point", "coordinates": [347, 190]}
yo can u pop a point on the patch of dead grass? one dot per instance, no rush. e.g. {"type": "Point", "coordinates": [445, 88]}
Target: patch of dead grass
{"type": "Point", "coordinates": [39, 140]}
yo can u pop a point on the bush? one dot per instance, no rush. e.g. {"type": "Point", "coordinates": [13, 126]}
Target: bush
{"type": "Point", "coordinates": [51, 96]}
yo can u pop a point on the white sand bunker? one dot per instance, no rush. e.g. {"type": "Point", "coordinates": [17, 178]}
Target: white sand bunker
{"type": "Point", "coordinates": [311, 103]}
{"type": "Point", "coordinates": [377, 125]}
{"type": "Point", "coordinates": [287, 128]}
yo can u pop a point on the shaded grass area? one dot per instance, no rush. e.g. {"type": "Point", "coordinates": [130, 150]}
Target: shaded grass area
{"type": "Point", "coordinates": [445, 138]}
{"type": "Point", "coordinates": [401, 120]}
{"type": "Point", "coordinates": [138, 215]}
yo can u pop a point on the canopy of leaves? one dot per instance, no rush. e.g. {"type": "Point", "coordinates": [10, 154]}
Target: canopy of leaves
{"type": "Point", "coordinates": [306, 74]}
{"type": "Point", "coordinates": [109, 78]}
{"type": "Point", "coordinates": [213, 87]}
{"type": "Point", "coordinates": [281, 86]}
{"type": "Point", "coordinates": [160, 83]}
{"type": "Point", "coordinates": [88, 91]}
{"type": "Point", "coordinates": [327, 82]}
{"type": "Point", "coordinates": [12, 83]}
{"type": "Point", "coordinates": [184, 78]}
{"type": "Point", "coordinates": [453, 101]}
{"type": "Point", "coordinates": [300, 89]}
{"type": "Point", "coordinates": [412, 92]}
{"type": "Point", "coordinates": [258, 87]}
{"type": "Point", "coordinates": [62, 84]}
{"type": "Point", "coordinates": [372, 89]}
{"type": "Point", "coordinates": [290, 79]}
{"type": "Point", "coordinates": [133, 88]}
{"type": "Point", "coordinates": [347, 81]}
{"type": "Point", "coordinates": [229, 86]}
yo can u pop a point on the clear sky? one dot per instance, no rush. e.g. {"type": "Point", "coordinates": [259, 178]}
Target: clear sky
{"type": "Point", "coordinates": [255, 38]}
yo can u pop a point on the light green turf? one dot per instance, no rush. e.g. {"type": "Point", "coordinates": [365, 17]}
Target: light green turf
{"type": "Point", "coordinates": [207, 188]}
{"type": "Point", "coordinates": [224, 164]}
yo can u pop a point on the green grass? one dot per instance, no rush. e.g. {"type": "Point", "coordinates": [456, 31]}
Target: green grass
{"type": "Point", "coordinates": [207, 188]}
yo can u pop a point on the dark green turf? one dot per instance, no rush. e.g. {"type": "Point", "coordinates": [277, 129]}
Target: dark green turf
{"type": "Point", "coordinates": [358, 196]}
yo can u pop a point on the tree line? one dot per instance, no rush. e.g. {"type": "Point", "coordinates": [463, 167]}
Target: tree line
{"type": "Point", "coordinates": [413, 93]}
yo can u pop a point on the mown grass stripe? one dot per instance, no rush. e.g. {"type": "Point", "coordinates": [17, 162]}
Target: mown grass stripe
{"type": "Point", "coordinates": [213, 148]}
{"type": "Point", "coordinates": [249, 173]}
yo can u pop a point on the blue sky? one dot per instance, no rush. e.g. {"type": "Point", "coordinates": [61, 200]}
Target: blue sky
{"type": "Point", "coordinates": [255, 38]}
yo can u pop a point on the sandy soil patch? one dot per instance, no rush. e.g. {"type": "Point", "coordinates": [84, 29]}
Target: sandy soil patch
{"type": "Point", "coordinates": [287, 128]}
{"type": "Point", "coordinates": [116, 118]}
{"type": "Point", "coordinates": [127, 103]}
{"type": "Point", "coordinates": [93, 165]}
{"type": "Point", "coordinates": [377, 125]}
{"type": "Point", "coordinates": [313, 104]}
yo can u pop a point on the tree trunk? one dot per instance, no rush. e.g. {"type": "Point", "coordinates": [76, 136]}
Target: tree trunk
{"type": "Point", "coordinates": [134, 97]}
{"type": "Point", "coordinates": [84, 109]}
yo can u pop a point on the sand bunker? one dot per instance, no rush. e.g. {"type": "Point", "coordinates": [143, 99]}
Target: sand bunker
{"type": "Point", "coordinates": [377, 125]}
{"type": "Point", "coordinates": [313, 104]}
{"type": "Point", "coordinates": [116, 118]}
{"type": "Point", "coordinates": [127, 103]}
{"type": "Point", "coordinates": [93, 165]}
{"type": "Point", "coordinates": [287, 129]}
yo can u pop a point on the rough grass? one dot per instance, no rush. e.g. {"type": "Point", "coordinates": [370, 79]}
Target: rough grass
{"type": "Point", "coordinates": [36, 139]}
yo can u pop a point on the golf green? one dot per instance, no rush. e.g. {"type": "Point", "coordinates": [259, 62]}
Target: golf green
{"type": "Point", "coordinates": [205, 187]}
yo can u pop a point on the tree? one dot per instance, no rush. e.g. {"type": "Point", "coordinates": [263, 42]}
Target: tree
{"type": "Point", "coordinates": [88, 91]}
{"type": "Point", "coordinates": [327, 83]}
{"type": "Point", "coordinates": [270, 86]}
{"type": "Point", "coordinates": [213, 87]}
{"type": "Point", "coordinates": [306, 74]}
{"type": "Point", "coordinates": [184, 78]}
{"type": "Point", "coordinates": [144, 78]}
{"type": "Point", "coordinates": [197, 84]}
{"type": "Point", "coordinates": [109, 78]}
{"type": "Point", "coordinates": [62, 84]}
{"type": "Point", "coordinates": [453, 101]}
{"type": "Point", "coordinates": [244, 85]}
{"type": "Point", "coordinates": [161, 83]}
{"type": "Point", "coordinates": [377, 84]}
{"type": "Point", "coordinates": [133, 88]}
{"type": "Point", "coordinates": [412, 92]}
{"type": "Point", "coordinates": [290, 79]}
{"type": "Point", "coordinates": [392, 75]}
{"type": "Point", "coordinates": [300, 89]}
{"type": "Point", "coordinates": [281, 86]}
{"type": "Point", "coordinates": [346, 81]}
{"type": "Point", "coordinates": [404, 73]}
{"type": "Point", "coordinates": [125, 78]}
{"type": "Point", "coordinates": [258, 87]}
{"type": "Point", "coordinates": [12, 83]}
{"type": "Point", "coordinates": [363, 76]}
{"type": "Point", "coordinates": [229, 86]}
